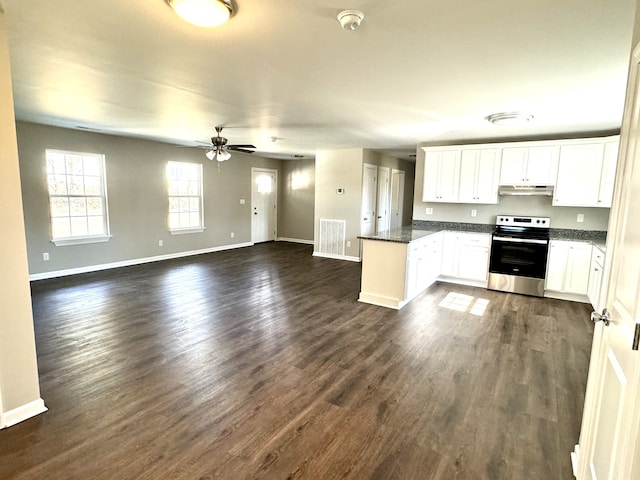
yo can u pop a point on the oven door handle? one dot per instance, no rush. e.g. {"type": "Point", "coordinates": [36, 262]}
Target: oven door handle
{"type": "Point", "coordinates": [521, 240]}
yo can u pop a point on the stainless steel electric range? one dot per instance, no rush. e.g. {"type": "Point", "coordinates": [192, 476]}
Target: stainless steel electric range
{"type": "Point", "coordinates": [518, 261]}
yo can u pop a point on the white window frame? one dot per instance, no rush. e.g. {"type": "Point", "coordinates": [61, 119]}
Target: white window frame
{"type": "Point", "coordinates": [79, 239]}
{"type": "Point", "coordinates": [200, 196]}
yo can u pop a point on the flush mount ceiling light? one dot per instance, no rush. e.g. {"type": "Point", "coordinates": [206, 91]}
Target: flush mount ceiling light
{"type": "Point", "coordinates": [510, 118]}
{"type": "Point", "coordinates": [203, 13]}
{"type": "Point", "coordinates": [350, 19]}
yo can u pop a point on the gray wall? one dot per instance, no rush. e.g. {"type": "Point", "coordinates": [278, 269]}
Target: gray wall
{"type": "Point", "coordinates": [297, 187]}
{"type": "Point", "coordinates": [339, 169]}
{"type": "Point", "coordinates": [137, 198]}
{"type": "Point", "coordinates": [343, 168]}
{"type": "Point", "coordinates": [561, 217]}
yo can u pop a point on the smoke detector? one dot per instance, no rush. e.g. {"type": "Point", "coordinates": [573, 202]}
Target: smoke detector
{"type": "Point", "coordinates": [350, 19]}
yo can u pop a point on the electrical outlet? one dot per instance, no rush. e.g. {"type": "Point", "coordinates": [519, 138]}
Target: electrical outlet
{"type": "Point", "coordinates": [45, 256]}
{"type": "Point", "coordinates": [580, 218]}
{"type": "Point", "coordinates": [348, 243]}
{"type": "Point", "coordinates": [474, 212]}
{"type": "Point", "coordinates": [160, 243]}
{"type": "Point", "coordinates": [233, 234]}
{"type": "Point", "coordinates": [429, 211]}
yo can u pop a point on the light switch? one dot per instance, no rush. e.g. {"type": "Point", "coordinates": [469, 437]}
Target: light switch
{"type": "Point", "coordinates": [242, 201]}
{"type": "Point", "coordinates": [580, 218]}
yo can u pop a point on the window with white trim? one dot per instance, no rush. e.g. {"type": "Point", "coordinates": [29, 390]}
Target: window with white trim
{"type": "Point", "coordinates": [77, 197]}
{"type": "Point", "coordinates": [184, 181]}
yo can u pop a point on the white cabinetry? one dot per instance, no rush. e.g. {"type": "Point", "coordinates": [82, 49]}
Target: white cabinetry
{"type": "Point", "coordinates": [423, 264]}
{"type": "Point", "coordinates": [568, 267]}
{"type": "Point", "coordinates": [586, 174]}
{"type": "Point", "coordinates": [479, 170]}
{"type": "Point", "coordinates": [465, 256]}
{"type": "Point", "coordinates": [529, 165]}
{"type": "Point", "coordinates": [465, 174]}
{"type": "Point", "coordinates": [441, 176]}
{"type": "Point", "coordinates": [594, 291]}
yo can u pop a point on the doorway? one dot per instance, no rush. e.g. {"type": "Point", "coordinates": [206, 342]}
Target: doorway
{"type": "Point", "coordinates": [397, 198]}
{"type": "Point", "coordinates": [383, 199]}
{"type": "Point", "coordinates": [264, 202]}
{"type": "Point", "coordinates": [369, 194]}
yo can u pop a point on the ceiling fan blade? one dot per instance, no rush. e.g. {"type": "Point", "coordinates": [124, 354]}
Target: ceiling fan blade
{"type": "Point", "coordinates": [243, 150]}
{"type": "Point", "coordinates": [241, 146]}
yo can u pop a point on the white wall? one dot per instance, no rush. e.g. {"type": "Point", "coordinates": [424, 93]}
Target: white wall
{"type": "Point", "coordinates": [19, 389]}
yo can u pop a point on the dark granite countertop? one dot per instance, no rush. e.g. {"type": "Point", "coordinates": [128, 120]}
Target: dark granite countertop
{"type": "Point", "coordinates": [595, 237]}
{"type": "Point", "coordinates": [453, 226]}
{"type": "Point", "coordinates": [400, 235]}
{"type": "Point", "coordinates": [421, 228]}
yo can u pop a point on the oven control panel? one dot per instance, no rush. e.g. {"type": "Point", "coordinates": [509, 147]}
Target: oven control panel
{"type": "Point", "coordinates": [516, 221]}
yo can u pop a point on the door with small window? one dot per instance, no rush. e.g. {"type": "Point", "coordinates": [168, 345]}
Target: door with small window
{"type": "Point", "coordinates": [264, 200]}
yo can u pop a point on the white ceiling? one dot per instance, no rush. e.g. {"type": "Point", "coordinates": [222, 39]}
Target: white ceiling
{"type": "Point", "coordinates": [415, 71]}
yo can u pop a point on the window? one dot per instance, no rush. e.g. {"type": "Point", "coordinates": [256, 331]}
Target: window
{"type": "Point", "coordinates": [77, 197]}
{"type": "Point", "coordinates": [185, 197]}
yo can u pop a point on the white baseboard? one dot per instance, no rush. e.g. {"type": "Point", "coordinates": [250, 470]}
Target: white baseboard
{"type": "Point", "coordinates": [135, 261]}
{"type": "Point", "coordinates": [463, 281]}
{"type": "Point", "coordinates": [295, 240]}
{"type": "Point", "coordinates": [575, 457]}
{"type": "Point", "coordinates": [382, 301]}
{"type": "Point", "coordinates": [337, 257]}
{"type": "Point", "coordinates": [24, 412]}
{"type": "Point", "coordinates": [572, 297]}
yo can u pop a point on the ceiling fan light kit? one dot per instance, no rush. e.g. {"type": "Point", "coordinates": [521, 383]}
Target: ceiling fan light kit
{"type": "Point", "coordinates": [203, 13]}
{"type": "Point", "coordinates": [219, 149]}
{"type": "Point", "coordinates": [350, 19]}
{"type": "Point", "coordinates": [507, 119]}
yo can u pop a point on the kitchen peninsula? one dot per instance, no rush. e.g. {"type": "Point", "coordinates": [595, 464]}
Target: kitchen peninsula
{"type": "Point", "coordinates": [399, 264]}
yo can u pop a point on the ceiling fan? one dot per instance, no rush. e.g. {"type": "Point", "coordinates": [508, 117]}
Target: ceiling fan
{"type": "Point", "coordinates": [219, 149]}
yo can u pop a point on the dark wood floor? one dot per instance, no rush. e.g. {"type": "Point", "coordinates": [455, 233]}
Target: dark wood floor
{"type": "Point", "coordinates": [259, 363]}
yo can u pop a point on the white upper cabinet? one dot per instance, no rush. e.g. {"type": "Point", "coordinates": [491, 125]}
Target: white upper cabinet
{"type": "Point", "coordinates": [461, 175]}
{"type": "Point", "coordinates": [586, 174]}
{"type": "Point", "coordinates": [529, 165]}
{"type": "Point", "coordinates": [441, 176]}
{"type": "Point", "coordinates": [479, 170]}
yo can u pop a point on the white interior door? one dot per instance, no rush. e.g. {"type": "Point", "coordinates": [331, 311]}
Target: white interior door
{"type": "Point", "coordinates": [384, 192]}
{"type": "Point", "coordinates": [264, 201]}
{"type": "Point", "coordinates": [397, 198]}
{"type": "Point", "coordinates": [369, 192]}
{"type": "Point", "coordinates": [609, 446]}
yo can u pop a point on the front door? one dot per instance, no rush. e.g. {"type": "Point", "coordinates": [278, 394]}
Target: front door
{"type": "Point", "coordinates": [263, 204]}
{"type": "Point", "coordinates": [609, 438]}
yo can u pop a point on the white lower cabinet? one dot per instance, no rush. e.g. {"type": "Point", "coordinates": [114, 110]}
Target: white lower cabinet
{"type": "Point", "coordinates": [465, 256]}
{"type": "Point", "coordinates": [424, 259]}
{"type": "Point", "coordinates": [568, 267]}
{"type": "Point", "coordinates": [594, 291]}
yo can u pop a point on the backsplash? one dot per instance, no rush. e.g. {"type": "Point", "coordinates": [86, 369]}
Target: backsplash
{"type": "Point", "coordinates": [595, 219]}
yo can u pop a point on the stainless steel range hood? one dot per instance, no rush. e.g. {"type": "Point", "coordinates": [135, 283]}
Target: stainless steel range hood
{"type": "Point", "coordinates": [546, 190]}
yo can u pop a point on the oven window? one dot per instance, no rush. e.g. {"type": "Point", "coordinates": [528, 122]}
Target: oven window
{"type": "Point", "coordinates": [522, 259]}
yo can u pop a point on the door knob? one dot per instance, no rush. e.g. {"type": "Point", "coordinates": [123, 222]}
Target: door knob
{"type": "Point", "coordinates": [604, 317]}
